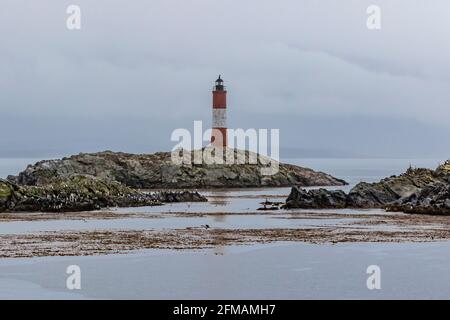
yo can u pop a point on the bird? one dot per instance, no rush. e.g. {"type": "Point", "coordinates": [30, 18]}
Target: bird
{"type": "Point", "coordinates": [206, 226]}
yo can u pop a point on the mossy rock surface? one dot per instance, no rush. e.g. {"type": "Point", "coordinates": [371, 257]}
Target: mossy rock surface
{"type": "Point", "coordinates": [5, 190]}
{"type": "Point", "coordinates": [83, 193]}
{"type": "Point", "coordinates": [7, 194]}
{"type": "Point", "coordinates": [445, 168]}
{"type": "Point", "coordinates": [157, 171]}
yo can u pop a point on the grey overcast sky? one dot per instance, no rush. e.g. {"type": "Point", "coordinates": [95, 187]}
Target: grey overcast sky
{"type": "Point", "coordinates": [139, 69]}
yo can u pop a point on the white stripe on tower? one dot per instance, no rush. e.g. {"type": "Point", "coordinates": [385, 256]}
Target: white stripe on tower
{"type": "Point", "coordinates": [219, 118]}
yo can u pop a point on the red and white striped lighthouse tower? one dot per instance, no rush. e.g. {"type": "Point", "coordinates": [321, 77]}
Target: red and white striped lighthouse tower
{"type": "Point", "coordinates": [219, 121]}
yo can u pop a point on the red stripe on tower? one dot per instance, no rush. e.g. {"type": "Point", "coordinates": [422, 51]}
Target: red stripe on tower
{"type": "Point", "coordinates": [219, 121]}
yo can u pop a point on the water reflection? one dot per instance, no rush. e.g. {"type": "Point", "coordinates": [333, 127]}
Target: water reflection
{"type": "Point", "coordinates": [219, 198]}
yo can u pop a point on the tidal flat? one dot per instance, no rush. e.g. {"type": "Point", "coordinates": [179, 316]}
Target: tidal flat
{"type": "Point", "coordinates": [229, 218]}
{"type": "Point", "coordinates": [227, 249]}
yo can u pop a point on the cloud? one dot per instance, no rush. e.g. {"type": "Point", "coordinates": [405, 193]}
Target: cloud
{"type": "Point", "coordinates": [157, 60]}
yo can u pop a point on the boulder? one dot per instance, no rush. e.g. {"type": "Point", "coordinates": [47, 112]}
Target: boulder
{"type": "Point", "coordinates": [432, 199]}
{"type": "Point", "coordinates": [316, 199]}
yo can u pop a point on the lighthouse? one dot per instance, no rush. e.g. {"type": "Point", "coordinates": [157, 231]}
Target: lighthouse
{"type": "Point", "coordinates": [219, 119]}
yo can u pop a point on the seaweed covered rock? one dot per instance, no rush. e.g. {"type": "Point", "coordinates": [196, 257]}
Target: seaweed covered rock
{"type": "Point", "coordinates": [82, 193]}
{"type": "Point", "coordinates": [7, 194]}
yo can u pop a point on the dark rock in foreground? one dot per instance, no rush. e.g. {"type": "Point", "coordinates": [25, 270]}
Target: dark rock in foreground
{"type": "Point", "coordinates": [316, 199]}
{"type": "Point", "coordinates": [82, 193]}
{"type": "Point", "coordinates": [416, 191]}
{"type": "Point", "coordinates": [433, 199]}
{"type": "Point", "coordinates": [388, 190]}
{"type": "Point", "coordinates": [148, 171]}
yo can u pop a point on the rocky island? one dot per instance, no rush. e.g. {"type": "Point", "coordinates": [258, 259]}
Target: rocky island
{"type": "Point", "coordinates": [419, 190]}
{"type": "Point", "coordinates": [91, 181]}
{"type": "Point", "coordinates": [155, 171]}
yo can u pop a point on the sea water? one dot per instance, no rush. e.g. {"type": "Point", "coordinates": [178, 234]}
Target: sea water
{"type": "Point", "coordinates": [270, 271]}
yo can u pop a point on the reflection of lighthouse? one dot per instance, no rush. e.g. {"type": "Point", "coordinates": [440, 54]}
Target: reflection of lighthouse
{"type": "Point", "coordinates": [219, 123]}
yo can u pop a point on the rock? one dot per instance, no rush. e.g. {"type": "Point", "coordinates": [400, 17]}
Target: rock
{"type": "Point", "coordinates": [388, 190]}
{"type": "Point", "coordinates": [7, 194]}
{"type": "Point", "coordinates": [432, 199]}
{"type": "Point", "coordinates": [370, 195]}
{"type": "Point", "coordinates": [316, 199]}
{"type": "Point", "coordinates": [266, 208]}
{"type": "Point", "coordinates": [83, 193]}
{"type": "Point", "coordinates": [444, 169]}
{"type": "Point", "coordinates": [148, 171]}
{"type": "Point", "coordinates": [270, 205]}
{"type": "Point", "coordinates": [178, 196]}
{"type": "Point", "coordinates": [416, 191]}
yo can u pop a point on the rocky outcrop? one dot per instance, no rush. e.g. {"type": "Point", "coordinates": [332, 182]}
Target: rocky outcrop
{"type": "Point", "coordinates": [415, 191]}
{"type": "Point", "coordinates": [378, 194]}
{"type": "Point", "coordinates": [82, 193]}
{"type": "Point", "coordinates": [148, 171]}
{"type": "Point", "coordinates": [432, 199]}
{"type": "Point", "coordinates": [316, 199]}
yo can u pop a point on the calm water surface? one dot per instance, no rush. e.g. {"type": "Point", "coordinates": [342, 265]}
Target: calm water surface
{"type": "Point", "coordinates": [273, 271]}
